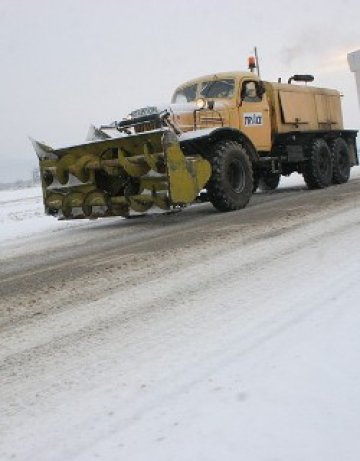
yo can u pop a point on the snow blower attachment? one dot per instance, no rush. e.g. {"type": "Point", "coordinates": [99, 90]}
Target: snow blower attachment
{"type": "Point", "coordinates": [112, 176]}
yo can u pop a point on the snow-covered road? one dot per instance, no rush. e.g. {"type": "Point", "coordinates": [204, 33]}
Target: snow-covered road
{"type": "Point", "coordinates": [193, 337]}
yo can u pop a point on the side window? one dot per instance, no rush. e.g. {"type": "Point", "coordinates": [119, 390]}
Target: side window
{"type": "Point", "coordinates": [250, 92]}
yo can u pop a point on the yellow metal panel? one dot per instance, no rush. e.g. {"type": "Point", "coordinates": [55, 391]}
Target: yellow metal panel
{"type": "Point", "coordinates": [186, 176]}
{"type": "Point", "coordinates": [315, 108]}
{"type": "Point", "coordinates": [328, 109]}
{"type": "Point", "coordinates": [322, 108]}
{"type": "Point", "coordinates": [335, 111]}
{"type": "Point", "coordinates": [296, 106]}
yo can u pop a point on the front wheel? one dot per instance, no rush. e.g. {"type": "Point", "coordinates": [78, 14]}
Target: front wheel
{"type": "Point", "coordinates": [231, 184]}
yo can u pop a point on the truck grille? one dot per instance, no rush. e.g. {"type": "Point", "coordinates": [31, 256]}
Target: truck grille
{"type": "Point", "coordinates": [208, 118]}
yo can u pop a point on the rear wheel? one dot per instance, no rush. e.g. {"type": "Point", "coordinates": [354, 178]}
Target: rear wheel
{"type": "Point", "coordinates": [341, 160]}
{"type": "Point", "coordinates": [318, 169]}
{"type": "Point", "coordinates": [231, 184]}
{"type": "Point", "coordinates": [269, 181]}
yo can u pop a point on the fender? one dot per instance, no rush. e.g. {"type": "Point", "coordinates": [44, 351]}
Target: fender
{"type": "Point", "coordinates": [201, 141]}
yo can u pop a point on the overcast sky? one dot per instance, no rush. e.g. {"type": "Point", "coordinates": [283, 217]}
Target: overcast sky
{"type": "Point", "coordinates": [66, 64]}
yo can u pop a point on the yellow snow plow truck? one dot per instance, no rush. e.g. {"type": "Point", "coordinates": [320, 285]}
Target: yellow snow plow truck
{"type": "Point", "coordinates": [222, 137]}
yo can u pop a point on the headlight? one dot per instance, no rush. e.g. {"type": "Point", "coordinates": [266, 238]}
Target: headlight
{"type": "Point", "coordinates": [200, 103]}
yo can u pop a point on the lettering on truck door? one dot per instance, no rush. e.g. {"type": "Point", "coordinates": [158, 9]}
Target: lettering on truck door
{"type": "Point", "coordinates": [254, 114]}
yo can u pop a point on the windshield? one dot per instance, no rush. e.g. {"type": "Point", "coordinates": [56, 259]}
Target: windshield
{"type": "Point", "coordinates": [224, 88]}
{"type": "Point", "coordinates": [218, 88]}
{"type": "Point", "coordinates": [185, 94]}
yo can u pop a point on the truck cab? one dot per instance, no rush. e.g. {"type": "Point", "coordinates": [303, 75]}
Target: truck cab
{"type": "Point", "coordinates": [234, 99]}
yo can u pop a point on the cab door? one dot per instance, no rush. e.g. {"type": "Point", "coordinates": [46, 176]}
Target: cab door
{"type": "Point", "coordinates": [254, 114]}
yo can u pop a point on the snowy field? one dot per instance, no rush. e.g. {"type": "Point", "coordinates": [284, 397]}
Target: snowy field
{"type": "Point", "coordinates": [22, 214]}
{"type": "Point", "coordinates": [233, 347]}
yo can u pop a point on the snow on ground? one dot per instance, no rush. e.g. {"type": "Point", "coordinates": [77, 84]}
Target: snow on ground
{"type": "Point", "coordinates": [22, 211]}
{"type": "Point", "coordinates": [22, 214]}
{"type": "Point", "coordinates": [252, 354]}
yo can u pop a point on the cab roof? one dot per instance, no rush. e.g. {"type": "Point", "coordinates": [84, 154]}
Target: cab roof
{"type": "Point", "coordinates": [218, 76]}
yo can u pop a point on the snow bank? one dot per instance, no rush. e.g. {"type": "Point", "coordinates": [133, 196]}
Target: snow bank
{"type": "Point", "coordinates": [22, 214]}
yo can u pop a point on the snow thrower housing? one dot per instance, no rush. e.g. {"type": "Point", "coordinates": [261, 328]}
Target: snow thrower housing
{"type": "Point", "coordinates": [143, 166]}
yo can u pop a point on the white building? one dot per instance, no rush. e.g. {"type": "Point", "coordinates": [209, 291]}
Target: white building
{"type": "Point", "coordinates": [354, 63]}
